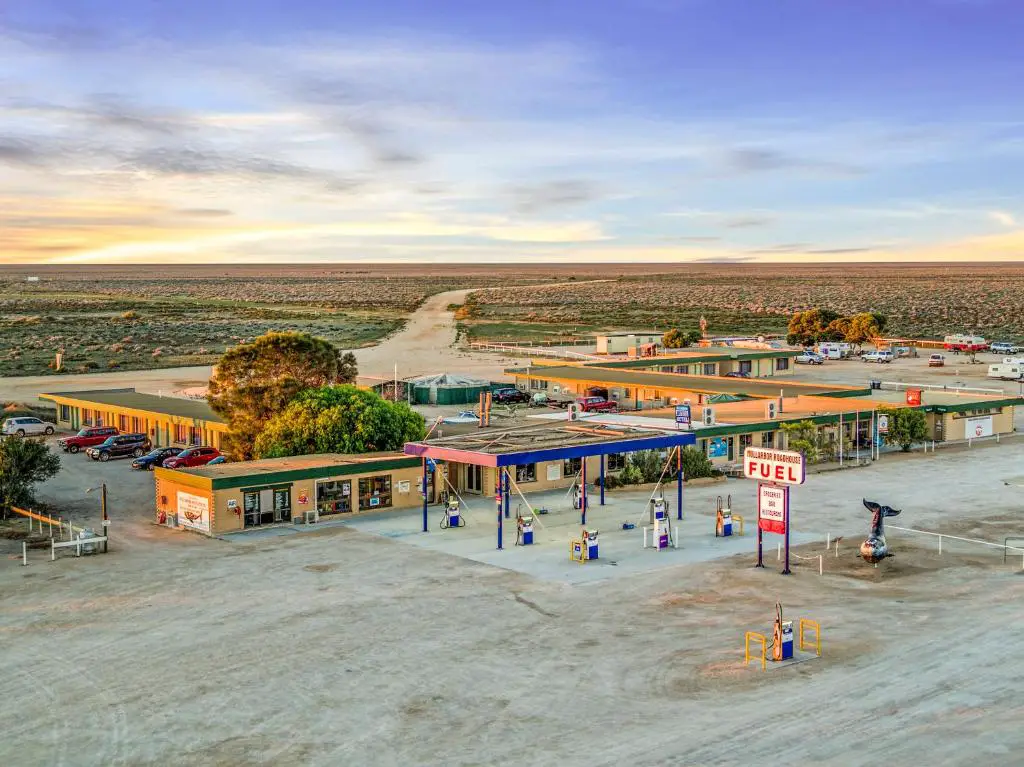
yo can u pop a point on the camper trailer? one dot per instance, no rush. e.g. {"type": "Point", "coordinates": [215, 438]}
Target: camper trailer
{"type": "Point", "coordinates": [1007, 371]}
{"type": "Point", "coordinates": [964, 343]}
{"type": "Point", "coordinates": [834, 350]}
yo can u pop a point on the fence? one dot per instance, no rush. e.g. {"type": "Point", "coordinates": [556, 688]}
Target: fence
{"type": "Point", "coordinates": [977, 541]}
{"type": "Point", "coordinates": [63, 528]}
{"type": "Point", "coordinates": [532, 351]}
{"type": "Point", "coordinates": [68, 535]}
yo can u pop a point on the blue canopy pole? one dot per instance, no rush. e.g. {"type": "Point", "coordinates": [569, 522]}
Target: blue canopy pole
{"type": "Point", "coordinates": [505, 490]}
{"type": "Point", "coordinates": [583, 492]}
{"type": "Point", "coordinates": [679, 483]}
{"type": "Point", "coordinates": [602, 480]}
{"type": "Point", "coordinates": [497, 501]}
{"type": "Point", "coordinates": [424, 495]}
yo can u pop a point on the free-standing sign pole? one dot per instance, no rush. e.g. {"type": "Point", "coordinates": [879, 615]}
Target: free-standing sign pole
{"type": "Point", "coordinates": [425, 494]}
{"type": "Point", "coordinates": [497, 500]}
{"type": "Point", "coordinates": [785, 570]}
{"type": "Point", "coordinates": [679, 483]}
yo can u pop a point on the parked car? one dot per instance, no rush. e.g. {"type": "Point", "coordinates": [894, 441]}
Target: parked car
{"type": "Point", "coordinates": [736, 374]}
{"type": "Point", "coordinates": [809, 358]}
{"type": "Point", "coordinates": [155, 458]}
{"type": "Point", "coordinates": [24, 426]}
{"type": "Point", "coordinates": [193, 456]}
{"type": "Point", "coordinates": [509, 396]}
{"type": "Point", "coordinates": [936, 361]}
{"type": "Point", "coordinates": [90, 436]}
{"type": "Point", "coordinates": [1004, 347]}
{"type": "Point", "coordinates": [218, 459]}
{"type": "Point", "coordinates": [119, 446]}
{"type": "Point", "coordinates": [879, 357]}
{"type": "Point", "coordinates": [596, 404]}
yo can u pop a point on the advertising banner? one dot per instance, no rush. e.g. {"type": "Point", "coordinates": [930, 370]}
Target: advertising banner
{"type": "Point", "coordinates": [782, 466]}
{"type": "Point", "coordinates": [194, 511]}
{"type": "Point", "coordinates": [979, 426]}
{"type": "Point", "coordinates": [772, 508]}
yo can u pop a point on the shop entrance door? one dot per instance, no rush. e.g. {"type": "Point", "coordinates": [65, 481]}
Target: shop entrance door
{"type": "Point", "coordinates": [266, 507]}
{"type": "Point", "coordinates": [474, 483]}
{"type": "Point", "coordinates": [251, 508]}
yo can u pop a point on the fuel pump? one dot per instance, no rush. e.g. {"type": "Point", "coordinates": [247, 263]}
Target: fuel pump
{"type": "Point", "coordinates": [524, 530]}
{"type": "Point", "coordinates": [452, 516]}
{"type": "Point", "coordinates": [661, 524]}
{"type": "Point", "coordinates": [590, 543]}
{"type": "Point", "coordinates": [723, 518]}
{"type": "Point", "coordinates": [782, 636]}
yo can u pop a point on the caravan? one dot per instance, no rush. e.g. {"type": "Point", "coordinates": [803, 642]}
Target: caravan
{"type": "Point", "coordinates": [1007, 370]}
{"type": "Point", "coordinates": [834, 350]}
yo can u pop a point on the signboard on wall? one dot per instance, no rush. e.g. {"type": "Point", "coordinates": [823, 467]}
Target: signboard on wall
{"type": "Point", "coordinates": [914, 397]}
{"type": "Point", "coordinates": [683, 415]}
{"type": "Point", "coordinates": [772, 508]}
{"type": "Point", "coordinates": [194, 511]}
{"type": "Point", "coordinates": [782, 466]}
{"type": "Point", "coordinates": [404, 485]}
{"type": "Point", "coordinates": [554, 472]}
{"type": "Point", "coordinates": [979, 426]}
{"type": "Point", "coordinates": [718, 448]}
{"type": "Point", "coordinates": [883, 423]}
{"type": "Point", "coordinates": [303, 497]}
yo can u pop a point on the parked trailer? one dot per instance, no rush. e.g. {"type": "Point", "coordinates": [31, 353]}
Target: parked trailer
{"type": "Point", "coordinates": [964, 343]}
{"type": "Point", "coordinates": [1006, 371]}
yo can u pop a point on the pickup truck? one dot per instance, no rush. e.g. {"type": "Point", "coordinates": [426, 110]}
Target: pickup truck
{"type": "Point", "coordinates": [90, 436]}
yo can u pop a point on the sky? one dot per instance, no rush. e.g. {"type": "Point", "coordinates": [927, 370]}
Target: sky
{"type": "Point", "coordinates": [544, 131]}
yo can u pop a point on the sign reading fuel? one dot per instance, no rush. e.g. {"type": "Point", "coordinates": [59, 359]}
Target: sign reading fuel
{"type": "Point", "coordinates": [785, 467]}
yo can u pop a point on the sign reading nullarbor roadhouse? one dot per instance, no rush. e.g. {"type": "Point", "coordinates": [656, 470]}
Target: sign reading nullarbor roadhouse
{"type": "Point", "coordinates": [786, 467]}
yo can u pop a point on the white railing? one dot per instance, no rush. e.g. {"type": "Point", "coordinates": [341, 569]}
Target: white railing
{"type": "Point", "coordinates": [531, 351]}
{"type": "Point", "coordinates": [940, 536]}
{"type": "Point", "coordinates": [956, 388]}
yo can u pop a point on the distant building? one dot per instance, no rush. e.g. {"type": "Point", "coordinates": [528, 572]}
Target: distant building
{"type": "Point", "coordinates": [621, 343]}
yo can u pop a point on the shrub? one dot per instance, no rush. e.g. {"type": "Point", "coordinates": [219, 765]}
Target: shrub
{"type": "Point", "coordinates": [697, 465]}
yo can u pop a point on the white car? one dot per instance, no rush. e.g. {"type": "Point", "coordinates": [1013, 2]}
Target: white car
{"type": "Point", "coordinates": [878, 357]}
{"type": "Point", "coordinates": [1004, 347]}
{"type": "Point", "coordinates": [25, 426]}
{"type": "Point", "coordinates": [809, 358]}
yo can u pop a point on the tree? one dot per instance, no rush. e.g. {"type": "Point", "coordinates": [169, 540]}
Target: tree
{"type": "Point", "coordinates": [339, 419]}
{"type": "Point", "coordinates": [254, 381]}
{"type": "Point", "coordinates": [696, 464]}
{"type": "Point", "coordinates": [907, 425]}
{"type": "Point", "coordinates": [805, 437]}
{"type": "Point", "coordinates": [864, 327]}
{"type": "Point", "coordinates": [679, 339]}
{"type": "Point", "coordinates": [808, 327]}
{"type": "Point", "coordinates": [23, 464]}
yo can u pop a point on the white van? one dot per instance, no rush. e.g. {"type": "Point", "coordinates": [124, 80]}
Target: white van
{"type": "Point", "coordinates": [1007, 371]}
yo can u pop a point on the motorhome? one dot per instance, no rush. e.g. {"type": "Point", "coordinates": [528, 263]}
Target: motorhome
{"type": "Point", "coordinates": [834, 350]}
{"type": "Point", "coordinates": [1007, 371]}
{"type": "Point", "coordinates": [964, 343]}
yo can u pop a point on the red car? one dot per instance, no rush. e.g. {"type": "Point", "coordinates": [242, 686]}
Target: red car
{"type": "Point", "coordinates": [596, 404]}
{"type": "Point", "coordinates": [193, 456]}
{"type": "Point", "coordinates": [90, 436]}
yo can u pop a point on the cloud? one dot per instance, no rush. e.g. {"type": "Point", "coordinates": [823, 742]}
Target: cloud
{"type": "Point", "coordinates": [744, 160]}
{"type": "Point", "coordinates": [1002, 218]}
{"type": "Point", "coordinates": [19, 152]}
{"type": "Point", "coordinates": [531, 198]}
{"type": "Point", "coordinates": [203, 212]}
{"type": "Point", "coordinates": [747, 222]}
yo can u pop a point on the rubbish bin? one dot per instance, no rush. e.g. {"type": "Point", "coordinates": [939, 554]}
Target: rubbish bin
{"type": "Point", "coordinates": [85, 535]}
{"type": "Point", "coordinates": [875, 384]}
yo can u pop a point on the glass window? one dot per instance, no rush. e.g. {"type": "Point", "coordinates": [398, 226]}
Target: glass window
{"type": "Point", "coordinates": [122, 422]}
{"type": "Point", "coordinates": [746, 440]}
{"type": "Point", "coordinates": [282, 504]}
{"type": "Point", "coordinates": [615, 462]}
{"type": "Point", "coordinates": [746, 366]}
{"type": "Point", "coordinates": [571, 467]}
{"type": "Point", "coordinates": [527, 472]}
{"type": "Point", "coordinates": [782, 363]}
{"type": "Point", "coordinates": [251, 508]}
{"type": "Point", "coordinates": [709, 368]}
{"type": "Point", "coordinates": [195, 436]}
{"type": "Point", "coordinates": [334, 496]}
{"type": "Point", "coordinates": [180, 433]}
{"type": "Point", "coordinates": [65, 412]}
{"type": "Point", "coordinates": [375, 492]}
{"type": "Point", "coordinates": [767, 439]}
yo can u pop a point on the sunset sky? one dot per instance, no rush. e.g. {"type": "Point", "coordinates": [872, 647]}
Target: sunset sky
{"type": "Point", "coordinates": [491, 130]}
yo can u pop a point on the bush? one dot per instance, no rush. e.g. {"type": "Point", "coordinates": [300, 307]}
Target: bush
{"type": "Point", "coordinates": [697, 465]}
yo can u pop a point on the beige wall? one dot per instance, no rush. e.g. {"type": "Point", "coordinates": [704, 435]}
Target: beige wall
{"type": "Point", "coordinates": [954, 424]}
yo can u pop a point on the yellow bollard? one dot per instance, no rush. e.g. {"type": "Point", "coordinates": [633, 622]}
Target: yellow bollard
{"type": "Point", "coordinates": [756, 637]}
{"type": "Point", "coordinates": [809, 624]}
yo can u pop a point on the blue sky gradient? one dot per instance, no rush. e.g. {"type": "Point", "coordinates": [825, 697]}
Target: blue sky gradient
{"type": "Point", "coordinates": [670, 130]}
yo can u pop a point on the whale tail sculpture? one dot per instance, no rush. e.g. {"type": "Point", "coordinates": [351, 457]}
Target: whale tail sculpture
{"type": "Point", "coordinates": [874, 549]}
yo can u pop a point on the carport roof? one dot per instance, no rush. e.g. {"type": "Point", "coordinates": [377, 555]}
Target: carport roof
{"type": "Point", "coordinates": [532, 444]}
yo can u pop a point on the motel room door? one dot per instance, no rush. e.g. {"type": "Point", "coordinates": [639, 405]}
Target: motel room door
{"type": "Point", "coordinates": [474, 481]}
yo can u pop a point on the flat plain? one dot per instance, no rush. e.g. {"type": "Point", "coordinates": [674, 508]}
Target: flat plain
{"type": "Point", "coordinates": [110, 318]}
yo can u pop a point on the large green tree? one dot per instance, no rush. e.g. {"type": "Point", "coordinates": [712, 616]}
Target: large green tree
{"type": "Point", "coordinates": [23, 464]}
{"type": "Point", "coordinates": [806, 437]}
{"type": "Point", "coordinates": [255, 381]}
{"type": "Point", "coordinates": [808, 327]}
{"type": "Point", "coordinates": [907, 425]}
{"type": "Point", "coordinates": [339, 419]}
{"type": "Point", "coordinates": [678, 339]}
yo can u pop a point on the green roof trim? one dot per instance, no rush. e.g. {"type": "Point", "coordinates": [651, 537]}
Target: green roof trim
{"type": "Point", "coordinates": [729, 356]}
{"type": "Point", "coordinates": [976, 405]}
{"type": "Point", "coordinates": [287, 476]}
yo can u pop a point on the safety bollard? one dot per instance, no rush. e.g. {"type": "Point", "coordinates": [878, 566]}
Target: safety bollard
{"type": "Point", "coordinates": [24, 554]}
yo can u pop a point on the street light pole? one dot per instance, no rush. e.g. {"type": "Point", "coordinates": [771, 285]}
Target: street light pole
{"type": "Point", "coordinates": [106, 521]}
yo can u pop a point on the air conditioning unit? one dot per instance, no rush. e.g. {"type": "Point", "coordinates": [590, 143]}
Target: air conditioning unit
{"type": "Point", "coordinates": [573, 411]}
{"type": "Point", "coordinates": [172, 520]}
{"type": "Point", "coordinates": [772, 410]}
{"type": "Point", "coordinates": [309, 517]}
{"type": "Point", "coordinates": [709, 416]}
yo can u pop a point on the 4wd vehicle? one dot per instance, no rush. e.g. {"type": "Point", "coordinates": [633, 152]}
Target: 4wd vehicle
{"type": "Point", "coordinates": [155, 457]}
{"type": "Point", "coordinates": [119, 446]}
{"type": "Point", "coordinates": [596, 404]}
{"type": "Point", "coordinates": [878, 357]}
{"type": "Point", "coordinates": [809, 358]}
{"type": "Point", "coordinates": [1004, 347]}
{"type": "Point", "coordinates": [25, 426]}
{"type": "Point", "coordinates": [509, 396]}
{"type": "Point", "coordinates": [193, 456]}
{"type": "Point", "coordinates": [90, 436]}
{"type": "Point", "coordinates": [936, 361]}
